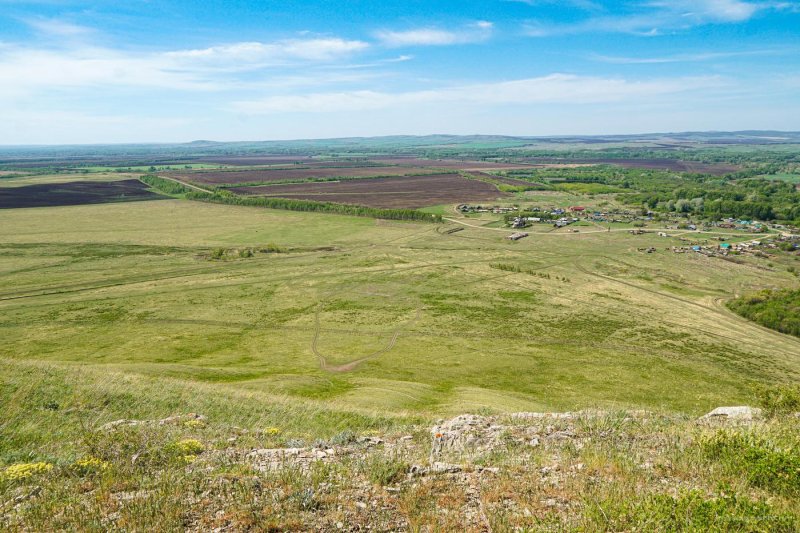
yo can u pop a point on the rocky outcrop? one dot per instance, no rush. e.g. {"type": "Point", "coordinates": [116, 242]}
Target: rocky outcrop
{"type": "Point", "coordinates": [742, 413]}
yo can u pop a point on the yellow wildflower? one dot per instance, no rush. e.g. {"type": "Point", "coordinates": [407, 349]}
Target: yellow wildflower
{"type": "Point", "coordinates": [190, 446]}
{"type": "Point", "coordinates": [25, 470]}
{"type": "Point", "coordinates": [91, 464]}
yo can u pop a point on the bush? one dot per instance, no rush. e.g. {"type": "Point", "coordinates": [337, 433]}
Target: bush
{"type": "Point", "coordinates": [164, 185]}
{"type": "Point", "coordinates": [690, 511]}
{"type": "Point", "coordinates": [760, 461]}
{"type": "Point", "coordinates": [778, 310]}
{"type": "Point", "coordinates": [781, 399]}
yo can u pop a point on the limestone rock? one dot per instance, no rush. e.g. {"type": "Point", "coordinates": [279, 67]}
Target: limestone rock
{"type": "Point", "coordinates": [466, 433]}
{"type": "Point", "coordinates": [739, 412]}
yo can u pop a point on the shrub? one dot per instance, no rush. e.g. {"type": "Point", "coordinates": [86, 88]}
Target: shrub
{"type": "Point", "coordinates": [780, 399]}
{"type": "Point", "coordinates": [689, 511]}
{"type": "Point", "coordinates": [779, 310]}
{"type": "Point", "coordinates": [760, 461]}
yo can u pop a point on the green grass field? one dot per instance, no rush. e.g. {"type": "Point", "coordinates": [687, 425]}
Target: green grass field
{"type": "Point", "coordinates": [131, 290]}
{"type": "Point", "coordinates": [288, 329]}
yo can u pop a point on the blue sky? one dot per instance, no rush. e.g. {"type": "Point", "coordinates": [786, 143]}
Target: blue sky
{"type": "Point", "coordinates": [159, 71]}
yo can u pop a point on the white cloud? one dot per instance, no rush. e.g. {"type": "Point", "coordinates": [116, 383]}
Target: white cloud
{"type": "Point", "coordinates": [691, 58]}
{"type": "Point", "coordinates": [325, 49]}
{"type": "Point", "coordinates": [658, 16]}
{"type": "Point", "coordinates": [59, 28]}
{"type": "Point", "coordinates": [556, 88]}
{"type": "Point", "coordinates": [23, 69]}
{"type": "Point", "coordinates": [476, 32]}
{"type": "Point", "coordinates": [704, 11]}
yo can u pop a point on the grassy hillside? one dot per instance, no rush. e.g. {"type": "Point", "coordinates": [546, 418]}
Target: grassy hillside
{"type": "Point", "coordinates": [196, 292]}
{"type": "Point", "coordinates": [319, 331]}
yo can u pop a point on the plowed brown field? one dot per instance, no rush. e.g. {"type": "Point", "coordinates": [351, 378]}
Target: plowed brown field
{"type": "Point", "coordinates": [218, 177]}
{"type": "Point", "coordinates": [393, 192]}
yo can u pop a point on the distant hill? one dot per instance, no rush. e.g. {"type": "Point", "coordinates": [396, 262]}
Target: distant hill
{"type": "Point", "coordinates": [159, 152]}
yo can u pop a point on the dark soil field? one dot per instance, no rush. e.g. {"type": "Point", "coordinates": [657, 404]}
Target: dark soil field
{"type": "Point", "coordinates": [288, 161]}
{"type": "Point", "coordinates": [675, 165]}
{"type": "Point", "coordinates": [504, 180]}
{"type": "Point", "coordinates": [217, 177]}
{"type": "Point", "coordinates": [75, 193]}
{"type": "Point", "coordinates": [255, 160]}
{"type": "Point", "coordinates": [446, 163]}
{"type": "Point", "coordinates": [392, 192]}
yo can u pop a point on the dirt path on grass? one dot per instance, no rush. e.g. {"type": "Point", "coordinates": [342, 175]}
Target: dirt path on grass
{"type": "Point", "coordinates": [350, 366]}
{"type": "Point", "coordinates": [184, 183]}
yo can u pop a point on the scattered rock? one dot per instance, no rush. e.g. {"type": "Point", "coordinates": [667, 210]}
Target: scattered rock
{"type": "Point", "coordinates": [740, 412]}
{"type": "Point", "coordinates": [466, 433]}
{"type": "Point", "coordinates": [119, 423]}
{"type": "Point", "coordinates": [561, 435]}
{"type": "Point", "coordinates": [444, 468]}
{"type": "Point", "coordinates": [539, 416]}
{"type": "Point", "coordinates": [369, 441]}
{"type": "Point", "coordinates": [178, 419]}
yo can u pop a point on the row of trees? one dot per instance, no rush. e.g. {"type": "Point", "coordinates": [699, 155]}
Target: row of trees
{"type": "Point", "coordinates": [226, 197]}
{"type": "Point", "coordinates": [164, 185]}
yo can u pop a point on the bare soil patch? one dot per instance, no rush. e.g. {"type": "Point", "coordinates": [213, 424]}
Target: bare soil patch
{"type": "Point", "coordinates": [675, 165]}
{"type": "Point", "coordinates": [75, 193]}
{"type": "Point", "coordinates": [457, 164]}
{"type": "Point", "coordinates": [504, 180]}
{"type": "Point", "coordinates": [217, 177]}
{"type": "Point", "coordinates": [392, 192]}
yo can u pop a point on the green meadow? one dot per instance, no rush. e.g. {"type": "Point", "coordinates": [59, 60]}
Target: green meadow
{"type": "Point", "coordinates": [225, 305]}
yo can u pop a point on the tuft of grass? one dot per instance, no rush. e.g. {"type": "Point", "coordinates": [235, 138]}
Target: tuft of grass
{"type": "Point", "coordinates": [383, 470]}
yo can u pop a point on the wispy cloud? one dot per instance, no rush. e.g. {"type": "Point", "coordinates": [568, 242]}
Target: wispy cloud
{"type": "Point", "coordinates": [555, 88]}
{"type": "Point", "coordinates": [50, 27]}
{"type": "Point", "coordinates": [258, 53]}
{"type": "Point", "coordinates": [657, 16]}
{"type": "Point", "coordinates": [431, 36]}
{"type": "Point", "coordinates": [23, 70]}
{"type": "Point", "coordinates": [587, 5]}
{"type": "Point", "coordinates": [691, 58]}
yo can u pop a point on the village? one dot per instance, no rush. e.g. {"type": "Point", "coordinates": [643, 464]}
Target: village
{"type": "Point", "coordinates": [782, 237]}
